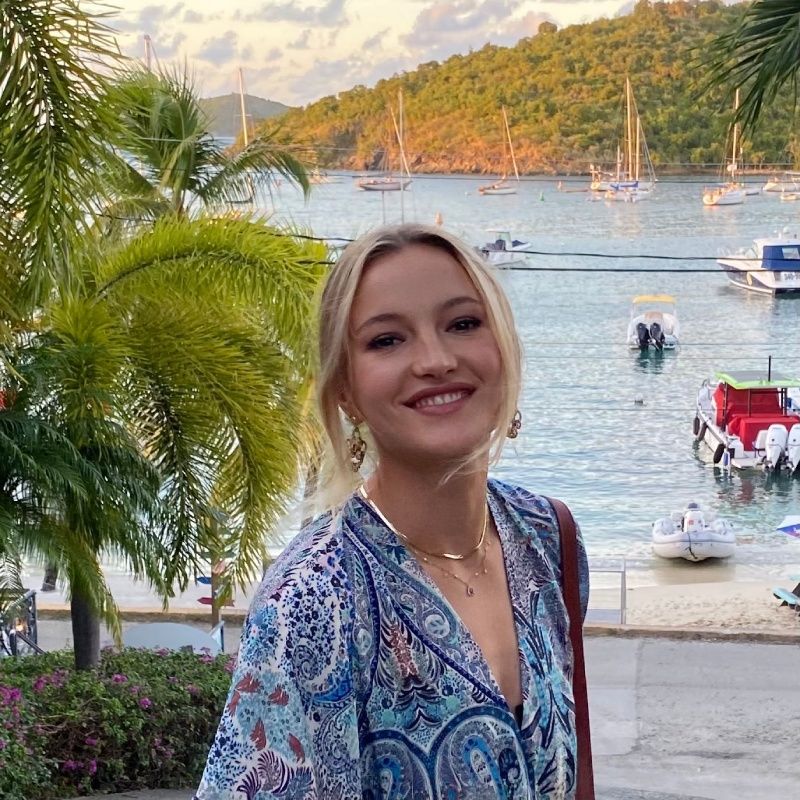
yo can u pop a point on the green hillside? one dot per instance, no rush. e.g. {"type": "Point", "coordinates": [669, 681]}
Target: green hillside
{"type": "Point", "coordinates": [226, 115]}
{"type": "Point", "coordinates": [563, 91]}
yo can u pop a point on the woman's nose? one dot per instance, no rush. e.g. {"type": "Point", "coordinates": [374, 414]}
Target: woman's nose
{"type": "Point", "coordinates": [432, 356]}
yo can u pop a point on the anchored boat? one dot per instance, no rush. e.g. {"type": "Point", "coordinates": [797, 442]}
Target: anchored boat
{"type": "Point", "coordinates": [750, 421]}
{"type": "Point", "coordinates": [653, 324]}
{"type": "Point", "coordinates": [694, 535]}
{"type": "Point", "coordinates": [769, 266]}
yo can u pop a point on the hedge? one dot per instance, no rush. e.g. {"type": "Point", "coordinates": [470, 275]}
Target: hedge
{"type": "Point", "coordinates": [141, 720]}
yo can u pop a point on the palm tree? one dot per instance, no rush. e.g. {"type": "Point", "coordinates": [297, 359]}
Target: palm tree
{"type": "Point", "coordinates": [760, 54]}
{"type": "Point", "coordinates": [153, 380]}
{"type": "Point", "coordinates": [173, 163]}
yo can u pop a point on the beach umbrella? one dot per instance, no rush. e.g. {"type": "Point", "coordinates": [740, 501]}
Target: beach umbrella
{"type": "Point", "coordinates": [790, 526]}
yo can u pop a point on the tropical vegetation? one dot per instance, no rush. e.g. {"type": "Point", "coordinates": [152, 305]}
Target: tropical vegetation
{"type": "Point", "coordinates": [155, 358]}
{"type": "Point", "coordinates": [563, 90]}
{"type": "Point", "coordinates": [761, 53]}
{"type": "Point", "coordinates": [140, 720]}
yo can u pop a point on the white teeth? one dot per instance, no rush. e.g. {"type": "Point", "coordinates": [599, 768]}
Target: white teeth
{"type": "Point", "coordinates": [440, 399]}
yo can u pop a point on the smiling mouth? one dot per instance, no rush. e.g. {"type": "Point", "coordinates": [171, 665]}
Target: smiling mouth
{"type": "Point", "coordinates": [441, 399]}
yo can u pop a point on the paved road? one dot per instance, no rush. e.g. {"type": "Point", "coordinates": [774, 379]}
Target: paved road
{"type": "Point", "coordinates": [684, 719]}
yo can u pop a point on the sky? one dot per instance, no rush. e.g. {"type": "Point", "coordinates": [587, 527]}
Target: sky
{"type": "Point", "coordinates": [296, 51]}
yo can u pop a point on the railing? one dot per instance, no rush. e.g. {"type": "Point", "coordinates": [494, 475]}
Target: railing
{"type": "Point", "coordinates": [19, 634]}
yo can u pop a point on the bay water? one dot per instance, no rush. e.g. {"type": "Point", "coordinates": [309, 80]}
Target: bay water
{"type": "Point", "coordinates": [606, 429]}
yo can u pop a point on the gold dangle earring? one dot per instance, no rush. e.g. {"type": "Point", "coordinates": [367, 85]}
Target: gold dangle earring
{"type": "Point", "coordinates": [515, 425]}
{"type": "Point", "coordinates": [357, 448]}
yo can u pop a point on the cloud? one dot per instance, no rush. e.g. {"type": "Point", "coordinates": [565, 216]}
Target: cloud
{"type": "Point", "coordinates": [191, 16]}
{"type": "Point", "coordinates": [446, 27]}
{"type": "Point", "coordinates": [303, 41]}
{"type": "Point", "coordinates": [219, 49]}
{"type": "Point", "coordinates": [374, 42]}
{"type": "Point", "coordinates": [330, 15]}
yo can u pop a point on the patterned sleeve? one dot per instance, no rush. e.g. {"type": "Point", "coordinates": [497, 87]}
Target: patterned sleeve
{"type": "Point", "coordinates": [289, 727]}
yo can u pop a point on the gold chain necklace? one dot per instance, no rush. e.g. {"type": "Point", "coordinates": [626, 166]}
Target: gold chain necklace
{"type": "Point", "coordinates": [452, 556]}
{"type": "Point", "coordinates": [468, 587]}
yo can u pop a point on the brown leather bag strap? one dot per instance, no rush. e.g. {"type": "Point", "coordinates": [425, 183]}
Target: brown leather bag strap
{"type": "Point", "coordinates": [570, 586]}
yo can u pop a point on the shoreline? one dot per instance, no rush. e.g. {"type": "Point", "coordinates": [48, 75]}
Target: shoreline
{"type": "Point", "coordinates": [687, 600]}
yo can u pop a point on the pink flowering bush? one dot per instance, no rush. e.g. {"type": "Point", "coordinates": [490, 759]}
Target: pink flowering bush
{"type": "Point", "coordinates": [142, 720]}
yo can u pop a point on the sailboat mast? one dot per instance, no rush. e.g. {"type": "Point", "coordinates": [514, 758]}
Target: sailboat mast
{"type": "Point", "coordinates": [735, 151]}
{"type": "Point", "coordinates": [402, 155]}
{"type": "Point", "coordinates": [510, 146]}
{"type": "Point", "coordinates": [245, 132]}
{"type": "Point", "coordinates": [148, 52]}
{"type": "Point", "coordinates": [629, 125]}
{"type": "Point", "coordinates": [638, 145]}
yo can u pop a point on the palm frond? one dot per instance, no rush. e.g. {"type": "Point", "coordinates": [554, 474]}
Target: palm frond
{"type": "Point", "coordinates": [52, 124]}
{"type": "Point", "coordinates": [760, 54]}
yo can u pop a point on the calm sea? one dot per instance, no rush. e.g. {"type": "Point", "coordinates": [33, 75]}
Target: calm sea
{"type": "Point", "coordinates": [618, 463]}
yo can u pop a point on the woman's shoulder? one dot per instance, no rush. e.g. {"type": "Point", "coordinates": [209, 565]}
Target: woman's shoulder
{"type": "Point", "coordinates": [312, 563]}
{"type": "Point", "coordinates": [535, 509]}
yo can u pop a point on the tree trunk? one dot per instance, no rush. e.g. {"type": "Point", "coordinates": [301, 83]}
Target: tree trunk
{"type": "Point", "coordinates": [85, 632]}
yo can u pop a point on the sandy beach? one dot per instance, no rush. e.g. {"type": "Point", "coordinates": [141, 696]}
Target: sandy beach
{"type": "Point", "coordinates": [671, 594]}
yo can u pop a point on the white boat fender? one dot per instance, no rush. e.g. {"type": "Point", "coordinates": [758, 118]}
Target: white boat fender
{"type": "Point", "coordinates": [726, 459]}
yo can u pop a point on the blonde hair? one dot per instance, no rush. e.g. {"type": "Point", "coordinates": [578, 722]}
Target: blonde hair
{"type": "Point", "coordinates": [333, 334]}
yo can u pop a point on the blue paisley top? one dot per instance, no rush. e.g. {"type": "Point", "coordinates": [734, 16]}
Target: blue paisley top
{"type": "Point", "coordinates": [356, 679]}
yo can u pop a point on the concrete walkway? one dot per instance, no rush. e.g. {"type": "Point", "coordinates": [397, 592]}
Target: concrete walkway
{"type": "Point", "coordinates": [688, 720]}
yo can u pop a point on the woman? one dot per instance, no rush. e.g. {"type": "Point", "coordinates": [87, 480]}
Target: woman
{"type": "Point", "coordinates": [411, 643]}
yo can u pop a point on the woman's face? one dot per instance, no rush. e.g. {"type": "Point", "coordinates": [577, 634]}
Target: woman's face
{"type": "Point", "coordinates": [425, 371]}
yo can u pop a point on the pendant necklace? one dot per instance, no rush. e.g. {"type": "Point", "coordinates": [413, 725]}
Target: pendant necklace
{"type": "Point", "coordinates": [425, 555]}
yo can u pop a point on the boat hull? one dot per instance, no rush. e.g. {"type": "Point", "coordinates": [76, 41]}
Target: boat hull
{"type": "Point", "coordinates": [729, 197]}
{"type": "Point", "coordinates": [383, 186]}
{"type": "Point", "coordinates": [750, 275]}
{"type": "Point", "coordinates": [694, 546]}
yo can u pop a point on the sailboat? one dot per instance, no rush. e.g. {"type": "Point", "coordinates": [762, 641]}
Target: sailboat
{"type": "Point", "coordinates": [390, 182]}
{"type": "Point", "coordinates": [504, 186]}
{"type": "Point", "coordinates": [732, 192]}
{"type": "Point", "coordinates": [634, 178]}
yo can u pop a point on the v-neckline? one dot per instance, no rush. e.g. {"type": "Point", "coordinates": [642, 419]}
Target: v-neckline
{"type": "Point", "coordinates": [411, 565]}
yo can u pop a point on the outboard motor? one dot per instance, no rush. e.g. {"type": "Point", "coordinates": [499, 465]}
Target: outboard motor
{"type": "Point", "coordinates": [643, 335]}
{"type": "Point", "coordinates": [693, 519]}
{"type": "Point", "coordinates": [793, 448]}
{"type": "Point", "coordinates": [777, 437]}
{"type": "Point", "coordinates": [657, 335]}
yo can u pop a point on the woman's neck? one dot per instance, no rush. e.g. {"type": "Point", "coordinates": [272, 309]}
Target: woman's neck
{"type": "Point", "coordinates": [439, 516]}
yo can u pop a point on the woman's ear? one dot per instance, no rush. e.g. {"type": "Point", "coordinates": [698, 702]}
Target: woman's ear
{"type": "Point", "coordinates": [348, 406]}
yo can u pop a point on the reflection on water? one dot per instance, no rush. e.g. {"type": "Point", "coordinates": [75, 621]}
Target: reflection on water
{"type": "Point", "coordinates": [650, 360]}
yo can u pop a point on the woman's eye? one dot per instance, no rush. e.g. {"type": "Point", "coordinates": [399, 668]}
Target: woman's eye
{"type": "Point", "coordinates": [382, 342]}
{"type": "Point", "coordinates": [466, 324]}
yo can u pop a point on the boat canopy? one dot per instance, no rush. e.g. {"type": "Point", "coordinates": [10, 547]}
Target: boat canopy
{"type": "Point", "coordinates": [753, 379]}
{"type": "Point", "coordinates": [653, 298]}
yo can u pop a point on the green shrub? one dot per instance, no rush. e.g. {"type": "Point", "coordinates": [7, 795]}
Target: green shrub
{"type": "Point", "coordinates": [141, 720]}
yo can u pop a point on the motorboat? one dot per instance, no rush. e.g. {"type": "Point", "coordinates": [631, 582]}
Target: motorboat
{"type": "Point", "coordinates": [788, 181]}
{"type": "Point", "coordinates": [693, 534]}
{"type": "Point", "coordinates": [504, 250]}
{"type": "Point", "coordinates": [770, 265]}
{"type": "Point", "coordinates": [750, 420]}
{"type": "Point", "coordinates": [653, 323]}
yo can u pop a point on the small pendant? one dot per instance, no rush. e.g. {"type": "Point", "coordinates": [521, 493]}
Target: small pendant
{"type": "Point", "coordinates": [470, 591]}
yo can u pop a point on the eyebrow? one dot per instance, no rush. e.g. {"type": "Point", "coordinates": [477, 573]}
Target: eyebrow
{"type": "Point", "coordinates": [392, 317]}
